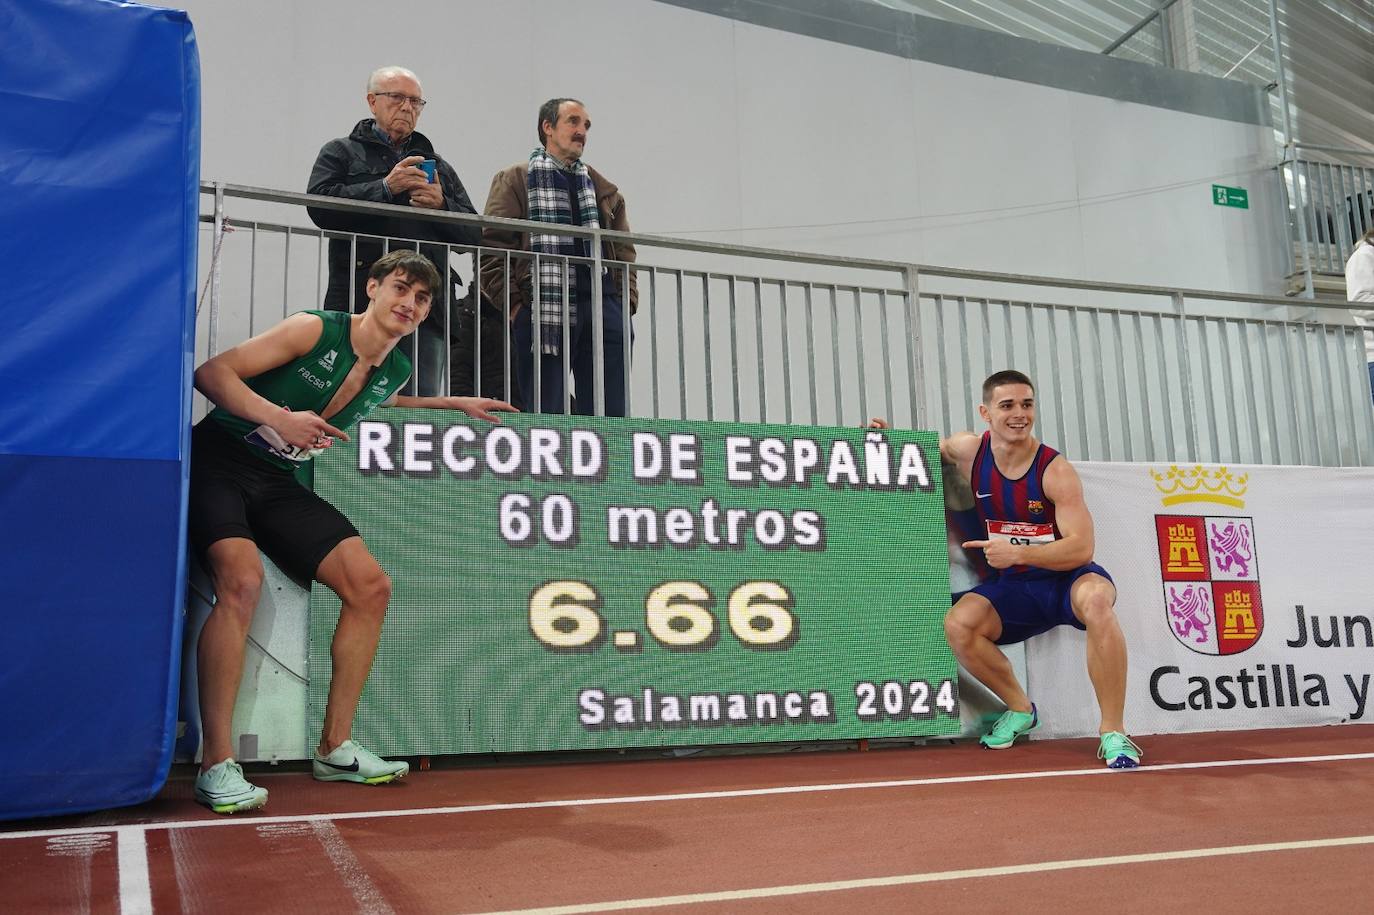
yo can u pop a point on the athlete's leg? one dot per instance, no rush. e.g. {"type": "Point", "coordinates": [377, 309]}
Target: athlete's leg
{"type": "Point", "coordinates": [237, 574]}
{"type": "Point", "coordinates": [350, 572]}
{"type": "Point", "coordinates": [972, 627]}
{"type": "Point", "coordinates": [1093, 599]}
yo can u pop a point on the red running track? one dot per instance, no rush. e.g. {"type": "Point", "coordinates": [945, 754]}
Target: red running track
{"type": "Point", "coordinates": [1240, 821]}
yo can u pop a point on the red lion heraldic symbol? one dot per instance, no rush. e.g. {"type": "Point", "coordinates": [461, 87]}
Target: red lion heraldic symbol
{"type": "Point", "coordinates": [1209, 569]}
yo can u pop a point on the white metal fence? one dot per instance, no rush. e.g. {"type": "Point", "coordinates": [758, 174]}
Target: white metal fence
{"type": "Point", "coordinates": [725, 332]}
{"type": "Point", "coordinates": [1330, 206]}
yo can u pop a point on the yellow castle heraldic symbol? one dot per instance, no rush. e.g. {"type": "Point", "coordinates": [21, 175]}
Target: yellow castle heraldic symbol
{"type": "Point", "coordinates": [1201, 484]}
{"type": "Point", "coordinates": [1183, 552]}
{"type": "Point", "coordinates": [1239, 619]}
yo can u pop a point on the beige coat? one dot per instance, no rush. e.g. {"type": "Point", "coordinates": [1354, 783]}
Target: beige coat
{"type": "Point", "coordinates": [508, 197]}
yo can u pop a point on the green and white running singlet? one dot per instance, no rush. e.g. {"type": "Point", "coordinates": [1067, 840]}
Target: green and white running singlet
{"type": "Point", "coordinates": [309, 383]}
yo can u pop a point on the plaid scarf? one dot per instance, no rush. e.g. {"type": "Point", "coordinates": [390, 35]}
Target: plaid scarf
{"type": "Point", "coordinates": [549, 203]}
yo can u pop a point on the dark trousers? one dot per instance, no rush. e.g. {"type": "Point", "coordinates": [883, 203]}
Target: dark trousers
{"type": "Point", "coordinates": [616, 354]}
{"type": "Point", "coordinates": [489, 377]}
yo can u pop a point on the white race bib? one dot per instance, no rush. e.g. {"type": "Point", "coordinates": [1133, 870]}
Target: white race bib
{"type": "Point", "coordinates": [1021, 533]}
{"type": "Point", "coordinates": [268, 439]}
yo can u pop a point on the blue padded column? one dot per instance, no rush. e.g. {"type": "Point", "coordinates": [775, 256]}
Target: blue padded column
{"type": "Point", "coordinates": [99, 176]}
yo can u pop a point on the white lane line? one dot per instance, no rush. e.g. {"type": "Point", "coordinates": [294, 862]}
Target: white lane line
{"type": "Point", "coordinates": [367, 899]}
{"type": "Point", "coordinates": [186, 858]}
{"type": "Point", "coordinates": [135, 889]}
{"type": "Point", "coordinates": [83, 849]}
{"type": "Point", "coordinates": [799, 889]}
{"type": "Point", "coordinates": [253, 820]}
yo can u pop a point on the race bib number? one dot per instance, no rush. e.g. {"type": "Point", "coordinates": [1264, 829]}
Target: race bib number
{"type": "Point", "coordinates": [1021, 533]}
{"type": "Point", "coordinates": [268, 439]}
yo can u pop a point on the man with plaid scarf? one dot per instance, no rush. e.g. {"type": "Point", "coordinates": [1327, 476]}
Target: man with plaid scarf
{"type": "Point", "coordinates": [551, 320]}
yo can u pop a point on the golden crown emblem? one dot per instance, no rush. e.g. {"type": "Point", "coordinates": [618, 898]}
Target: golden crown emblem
{"type": "Point", "coordinates": [1201, 484]}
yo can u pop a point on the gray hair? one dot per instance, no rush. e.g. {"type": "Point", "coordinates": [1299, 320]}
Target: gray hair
{"type": "Point", "coordinates": [382, 73]}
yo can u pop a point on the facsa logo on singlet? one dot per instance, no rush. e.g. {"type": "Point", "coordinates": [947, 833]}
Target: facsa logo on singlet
{"type": "Point", "coordinates": [327, 361]}
{"type": "Point", "coordinates": [1208, 564]}
{"type": "Point", "coordinates": [379, 387]}
{"type": "Point", "coordinates": [314, 379]}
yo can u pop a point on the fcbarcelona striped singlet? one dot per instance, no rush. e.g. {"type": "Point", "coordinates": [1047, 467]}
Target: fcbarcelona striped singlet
{"type": "Point", "coordinates": [1014, 509]}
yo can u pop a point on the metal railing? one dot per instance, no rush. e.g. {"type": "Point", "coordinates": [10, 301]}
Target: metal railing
{"type": "Point", "coordinates": [1329, 207]}
{"type": "Point", "coordinates": [729, 332]}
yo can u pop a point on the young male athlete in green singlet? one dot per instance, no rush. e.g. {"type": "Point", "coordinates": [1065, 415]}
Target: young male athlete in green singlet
{"type": "Point", "coordinates": [280, 398]}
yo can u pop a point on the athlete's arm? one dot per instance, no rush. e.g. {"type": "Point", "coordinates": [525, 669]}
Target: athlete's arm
{"type": "Point", "coordinates": [960, 448]}
{"type": "Point", "coordinates": [476, 407]}
{"type": "Point", "coordinates": [956, 453]}
{"type": "Point", "coordinates": [221, 379]}
{"type": "Point", "coordinates": [1075, 546]}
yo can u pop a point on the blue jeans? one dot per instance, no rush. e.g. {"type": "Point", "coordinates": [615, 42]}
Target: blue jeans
{"type": "Point", "coordinates": [551, 378]}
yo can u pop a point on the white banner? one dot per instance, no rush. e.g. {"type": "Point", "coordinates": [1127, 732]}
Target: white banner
{"type": "Point", "coordinates": [1244, 593]}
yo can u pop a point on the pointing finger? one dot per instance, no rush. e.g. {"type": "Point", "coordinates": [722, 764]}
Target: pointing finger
{"type": "Point", "coordinates": [337, 433]}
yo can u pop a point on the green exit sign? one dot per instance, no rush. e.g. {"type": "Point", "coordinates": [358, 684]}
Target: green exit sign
{"type": "Point", "coordinates": [1224, 196]}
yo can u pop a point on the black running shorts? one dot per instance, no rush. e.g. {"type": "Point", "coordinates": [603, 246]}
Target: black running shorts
{"type": "Point", "coordinates": [234, 493]}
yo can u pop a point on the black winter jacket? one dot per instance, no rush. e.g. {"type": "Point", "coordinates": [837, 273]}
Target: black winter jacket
{"type": "Point", "coordinates": [353, 167]}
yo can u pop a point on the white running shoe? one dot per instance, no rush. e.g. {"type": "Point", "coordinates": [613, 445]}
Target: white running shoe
{"type": "Point", "coordinates": [223, 789]}
{"type": "Point", "coordinates": [352, 763]}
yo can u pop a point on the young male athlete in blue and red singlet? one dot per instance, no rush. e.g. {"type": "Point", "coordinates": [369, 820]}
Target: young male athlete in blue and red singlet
{"type": "Point", "coordinates": [1039, 544]}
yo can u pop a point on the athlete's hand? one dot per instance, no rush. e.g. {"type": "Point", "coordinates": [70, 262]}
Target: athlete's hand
{"type": "Point", "coordinates": [878, 422]}
{"type": "Point", "coordinates": [479, 407]}
{"type": "Point", "coordinates": [1000, 554]}
{"type": "Point", "coordinates": [306, 429]}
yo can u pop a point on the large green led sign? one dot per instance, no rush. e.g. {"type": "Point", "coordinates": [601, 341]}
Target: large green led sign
{"type": "Point", "coordinates": [575, 583]}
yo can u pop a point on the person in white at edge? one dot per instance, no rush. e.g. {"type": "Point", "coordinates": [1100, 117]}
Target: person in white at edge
{"type": "Point", "coordinates": [1359, 287]}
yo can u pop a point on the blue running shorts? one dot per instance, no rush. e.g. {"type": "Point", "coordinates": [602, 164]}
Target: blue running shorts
{"type": "Point", "coordinates": [1036, 602]}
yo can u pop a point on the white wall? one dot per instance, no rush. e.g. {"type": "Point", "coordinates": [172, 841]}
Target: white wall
{"type": "Point", "coordinates": [727, 131]}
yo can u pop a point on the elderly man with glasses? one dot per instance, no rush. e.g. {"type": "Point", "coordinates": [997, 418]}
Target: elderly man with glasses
{"type": "Point", "coordinates": [385, 160]}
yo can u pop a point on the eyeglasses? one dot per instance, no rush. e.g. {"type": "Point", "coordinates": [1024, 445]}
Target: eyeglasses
{"type": "Point", "coordinates": [401, 98]}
